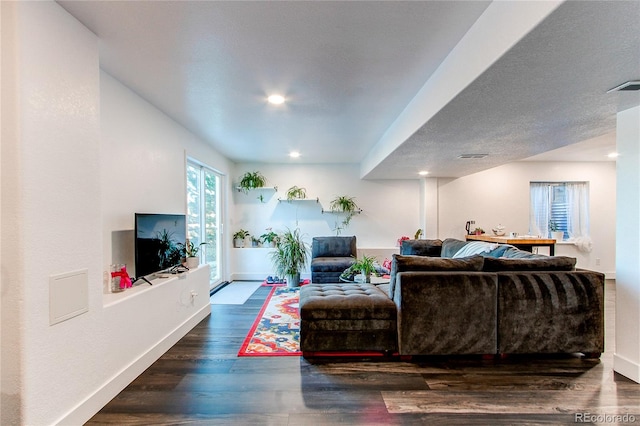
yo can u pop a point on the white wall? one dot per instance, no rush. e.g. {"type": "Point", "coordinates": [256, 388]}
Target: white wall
{"type": "Point", "coordinates": [501, 196]}
{"type": "Point", "coordinates": [390, 208]}
{"type": "Point", "coordinates": [395, 208]}
{"type": "Point", "coordinates": [63, 192]}
{"type": "Point", "coordinates": [627, 354]}
{"type": "Point", "coordinates": [143, 166]}
{"type": "Point", "coordinates": [51, 208]}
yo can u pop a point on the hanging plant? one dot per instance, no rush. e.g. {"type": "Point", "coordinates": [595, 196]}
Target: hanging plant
{"type": "Point", "coordinates": [252, 180]}
{"type": "Point", "coordinates": [296, 193]}
{"type": "Point", "coordinates": [344, 204]}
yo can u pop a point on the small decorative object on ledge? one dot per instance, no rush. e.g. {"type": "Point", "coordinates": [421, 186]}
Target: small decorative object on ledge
{"type": "Point", "coordinates": [120, 279]}
{"type": "Point", "coordinates": [418, 234]}
{"type": "Point", "coordinates": [479, 231]}
{"type": "Point", "coordinates": [239, 237]}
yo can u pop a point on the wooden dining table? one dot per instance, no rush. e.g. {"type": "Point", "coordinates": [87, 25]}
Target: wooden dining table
{"type": "Point", "coordinates": [523, 243]}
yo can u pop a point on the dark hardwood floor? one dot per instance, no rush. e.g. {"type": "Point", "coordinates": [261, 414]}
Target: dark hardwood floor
{"type": "Point", "coordinates": [202, 381]}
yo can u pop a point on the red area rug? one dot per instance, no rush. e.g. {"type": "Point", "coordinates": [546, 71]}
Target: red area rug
{"type": "Point", "coordinates": [276, 330]}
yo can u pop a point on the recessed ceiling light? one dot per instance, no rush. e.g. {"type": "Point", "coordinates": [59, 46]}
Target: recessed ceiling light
{"type": "Point", "coordinates": [294, 154]}
{"type": "Point", "coordinates": [423, 173]}
{"type": "Point", "coordinates": [276, 99]}
{"type": "Point", "coordinates": [613, 155]}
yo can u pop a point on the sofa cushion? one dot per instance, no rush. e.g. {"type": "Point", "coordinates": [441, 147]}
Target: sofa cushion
{"type": "Point", "coordinates": [544, 263]}
{"type": "Point", "coordinates": [331, 264]}
{"type": "Point", "coordinates": [401, 263]}
{"type": "Point", "coordinates": [333, 247]}
{"type": "Point", "coordinates": [421, 247]}
{"type": "Point", "coordinates": [450, 246]}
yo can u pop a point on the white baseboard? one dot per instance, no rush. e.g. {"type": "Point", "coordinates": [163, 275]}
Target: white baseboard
{"type": "Point", "coordinates": [94, 403]}
{"type": "Point", "coordinates": [626, 367]}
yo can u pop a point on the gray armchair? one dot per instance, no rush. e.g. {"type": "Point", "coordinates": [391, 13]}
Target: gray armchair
{"type": "Point", "coordinates": [330, 256]}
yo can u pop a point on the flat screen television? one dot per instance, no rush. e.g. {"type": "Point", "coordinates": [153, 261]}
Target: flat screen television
{"type": "Point", "coordinates": [158, 239]}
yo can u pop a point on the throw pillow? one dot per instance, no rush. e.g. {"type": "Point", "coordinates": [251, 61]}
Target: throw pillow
{"type": "Point", "coordinates": [401, 263]}
{"type": "Point", "coordinates": [421, 247]}
{"type": "Point", "coordinates": [553, 263]}
{"type": "Point", "coordinates": [451, 246]}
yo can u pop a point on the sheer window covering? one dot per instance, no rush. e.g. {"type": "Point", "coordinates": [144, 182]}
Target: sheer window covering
{"type": "Point", "coordinates": [565, 203]}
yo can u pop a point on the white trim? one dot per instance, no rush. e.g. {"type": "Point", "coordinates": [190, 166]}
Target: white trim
{"type": "Point", "coordinates": [626, 367]}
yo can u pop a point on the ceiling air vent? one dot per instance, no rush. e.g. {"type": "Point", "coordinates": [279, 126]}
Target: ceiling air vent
{"type": "Point", "coordinates": [472, 155]}
{"type": "Point", "coordinates": [628, 86]}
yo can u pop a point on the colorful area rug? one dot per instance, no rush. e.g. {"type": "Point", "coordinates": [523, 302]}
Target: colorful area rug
{"type": "Point", "coordinates": [276, 331]}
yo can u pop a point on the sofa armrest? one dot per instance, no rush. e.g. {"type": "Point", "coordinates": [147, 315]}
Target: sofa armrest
{"type": "Point", "coordinates": [444, 313]}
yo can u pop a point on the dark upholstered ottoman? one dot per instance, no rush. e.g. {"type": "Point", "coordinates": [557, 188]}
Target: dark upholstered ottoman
{"type": "Point", "coordinates": [347, 318]}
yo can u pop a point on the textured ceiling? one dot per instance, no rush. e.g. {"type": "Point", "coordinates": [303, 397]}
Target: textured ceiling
{"type": "Point", "coordinates": [350, 69]}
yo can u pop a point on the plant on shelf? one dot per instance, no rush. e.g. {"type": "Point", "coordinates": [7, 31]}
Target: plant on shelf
{"type": "Point", "coordinates": [296, 193]}
{"type": "Point", "coordinates": [290, 256]}
{"type": "Point", "coordinates": [252, 180]}
{"type": "Point", "coordinates": [255, 242]}
{"type": "Point", "coordinates": [239, 237]}
{"type": "Point", "coordinates": [418, 234]}
{"type": "Point", "coordinates": [479, 231]}
{"type": "Point", "coordinates": [365, 266]}
{"type": "Point", "coordinates": [190, 251]}
{"type": "Point", "coordinates": [270, 238]}
{"type": "Point", "coordinates": [344, 204]}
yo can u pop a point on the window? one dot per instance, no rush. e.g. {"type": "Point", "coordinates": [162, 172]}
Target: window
{"type": "Point", "coordinates": [566, 204]}
{"type": "Point", "coordinates": [203, 214]}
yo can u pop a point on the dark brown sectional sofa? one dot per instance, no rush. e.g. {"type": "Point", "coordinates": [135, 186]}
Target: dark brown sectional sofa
{"type": "Point", "coordinates": [499, 301]}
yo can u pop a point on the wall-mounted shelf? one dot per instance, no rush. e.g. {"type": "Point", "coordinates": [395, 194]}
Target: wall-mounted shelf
{"type": "Point", "coordinates": [297, 200]}
{"type": "Point", "coordinates": [340, 212]}
{"type": "Point", "coordinates": [262, 188]}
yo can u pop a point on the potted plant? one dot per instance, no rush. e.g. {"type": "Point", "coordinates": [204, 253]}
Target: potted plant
{"type": "Point", "coordinates": [269, 238]}
{"type": "Point", "coordinates": [479, 231]}
{"type": "Point", "coordinates": [556, 233]}
{"type": "Point", "coordinates": [296, 193]}
{"type": "Point", "coordinates": [239, 237]}
{"type": "Point", "coordinates": [290, 256]}
{"type": "Point", "coordinates": [255, 242]}
{"type": "Point", "coordinates": [251, 180]}
{"type": "Point", "coordinates": [344, 204]}
{"type": "Point", "coordinates": [361, 270]}
{"type": "Point", "coordinates": [190, 251]}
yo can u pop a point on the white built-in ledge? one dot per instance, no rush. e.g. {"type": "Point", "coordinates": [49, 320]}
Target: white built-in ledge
{"type": "Point", "coordinates": [141, 287]}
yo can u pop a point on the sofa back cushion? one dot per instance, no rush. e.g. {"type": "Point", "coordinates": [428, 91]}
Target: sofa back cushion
{"type": "Point", "coordinates": [401, 263]}
{"type": "Point", "coordinates": [450, 246]}
{"type": "Point", "coordinates": [333, 247]}
{"type": "Point", "coordinates": [544, 263]}
{"type": "Point", "coordinates": [421, 247]}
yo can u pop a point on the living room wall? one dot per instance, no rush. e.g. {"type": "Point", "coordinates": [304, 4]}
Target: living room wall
{"type": "Point", "coordinates": [143, 167]}
{"type": "Point", "coordinates": [501, 196]}
{"type": "Point", "coordinates": [389, 206]}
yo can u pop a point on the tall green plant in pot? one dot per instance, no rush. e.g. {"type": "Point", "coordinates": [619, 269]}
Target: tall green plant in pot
{"type": "Point", "coordinates": [290, 256]}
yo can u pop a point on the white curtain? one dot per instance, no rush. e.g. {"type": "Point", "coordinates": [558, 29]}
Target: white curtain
{"type": "Point", "coordinates": [578, 215]}
{"type": "Point", "coordinates": [539, 214]}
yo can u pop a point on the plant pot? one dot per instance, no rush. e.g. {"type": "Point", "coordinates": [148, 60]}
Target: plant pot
{"type": "Point", "coordinates": [293, 280]}
{"type": "Point", "coordinates": [238, 243]}
{"type": "Point", "coordinates": [193, 262]}
{"type": "Point", "coordinates": [557, 235]}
